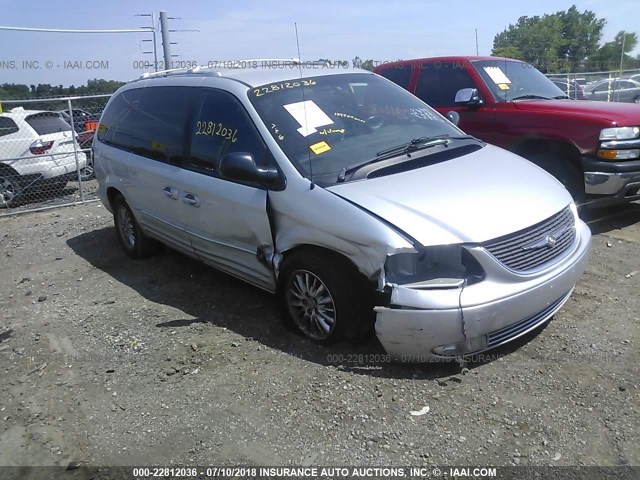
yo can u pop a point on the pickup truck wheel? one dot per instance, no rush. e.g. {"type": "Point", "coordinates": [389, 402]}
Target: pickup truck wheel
{"type": "Point", "coordinates": [10, 188]}
{"type": "Point", "coordinates": [134, 242]}
{"type": "Point", "coordinates": [565, 173]}
{"type": "Point", "coordinates": [321, 298]}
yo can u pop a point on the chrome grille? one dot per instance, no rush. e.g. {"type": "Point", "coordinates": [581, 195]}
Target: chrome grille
{"type": "Point", "coordinates": [532, 247]}
{"type": "Point", "coordinates": [498, 337]}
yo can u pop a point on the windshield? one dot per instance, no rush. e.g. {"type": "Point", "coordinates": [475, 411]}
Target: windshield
{"type": "Point", "coordinates": [511, 80]}
{"type": "Point", "coordinates": [329, 124]}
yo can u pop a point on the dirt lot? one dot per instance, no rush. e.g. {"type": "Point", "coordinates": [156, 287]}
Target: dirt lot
{"type": "Point", "coordinates": [105, 361]}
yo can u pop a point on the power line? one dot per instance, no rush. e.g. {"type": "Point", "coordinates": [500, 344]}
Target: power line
{"type": "Point", "coordinates": [61, 30]}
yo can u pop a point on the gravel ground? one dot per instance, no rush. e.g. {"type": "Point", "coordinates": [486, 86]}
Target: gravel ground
{"type": "Point", "coordinates": [107, 361]}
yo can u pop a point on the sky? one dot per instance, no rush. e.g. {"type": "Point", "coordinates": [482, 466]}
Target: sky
{"type": "Point", "coordinates": [244, 29]}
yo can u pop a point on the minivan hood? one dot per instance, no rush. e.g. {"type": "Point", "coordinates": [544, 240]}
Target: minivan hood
{"type": "Point", "coordinates": [614, 113]}
{"type": "Point", "coordinates": [470, 199]}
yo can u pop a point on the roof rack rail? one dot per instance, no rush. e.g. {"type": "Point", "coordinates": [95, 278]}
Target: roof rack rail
{"type": "Point", "coordinates": [162, 72]}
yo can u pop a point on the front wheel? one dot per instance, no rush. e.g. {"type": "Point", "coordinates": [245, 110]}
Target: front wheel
{"type": "Point", "coordinates": [134, 242]}
{"type": "Point", "coordinates": [323, 298]}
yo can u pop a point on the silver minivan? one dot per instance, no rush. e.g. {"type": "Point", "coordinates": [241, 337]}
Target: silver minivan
{"type": "Point", "coordinates": [352, 200]}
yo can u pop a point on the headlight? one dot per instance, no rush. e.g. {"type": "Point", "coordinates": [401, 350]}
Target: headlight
{"type": "Point", "coordinates": [620, 133]}
{"type": "Point", "coordinates": [446, 266]}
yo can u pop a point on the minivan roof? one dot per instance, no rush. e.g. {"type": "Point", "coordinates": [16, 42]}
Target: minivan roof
{"type": "Point", "coordinates": [265, 73]}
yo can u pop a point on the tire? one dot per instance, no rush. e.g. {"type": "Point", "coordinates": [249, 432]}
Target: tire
{"type": "Point", "coordinates": [636, 99]}
{"type": "Point", "coordinates": [10, 188]}
{"type": "Point", "coordinates": [134, 242]}
{"type": "Point", "coordinates": [324, 298]}
{"type": "Point", "coordinates": [87, 173]}
{"type": "Point", "coordinates": [564, 171]}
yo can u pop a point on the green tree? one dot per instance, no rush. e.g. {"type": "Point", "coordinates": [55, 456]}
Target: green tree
{"type": "Point", "coordinates": [609, 55]}
{"type": "Point", "coordinates": [508, 52]}
{"type": "Point", "coordinates": [368, 65]}
{"type": "Point", "coordinates": [581, 34]}
{"type": "Point", "coordinates": [558, 42]}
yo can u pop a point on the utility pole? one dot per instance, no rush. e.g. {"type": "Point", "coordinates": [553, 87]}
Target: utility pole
{"type": "Point", "coordinates": [166, 44]}
{"type": "Point", "coordinates": [477, 42]}
{"type": "Point", "coordinates": [624, 37]}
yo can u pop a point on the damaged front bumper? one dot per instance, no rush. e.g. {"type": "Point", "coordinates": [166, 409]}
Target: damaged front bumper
{"type": "Point", "coordinates": [421, 325]}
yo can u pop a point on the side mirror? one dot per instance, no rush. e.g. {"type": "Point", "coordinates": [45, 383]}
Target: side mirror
{"type": "Point", "coordinates": [453, 117]}
{"type": "Point", "coordinates": [241, 167]}
{"type": "Point", "coordinates": [469, 96]}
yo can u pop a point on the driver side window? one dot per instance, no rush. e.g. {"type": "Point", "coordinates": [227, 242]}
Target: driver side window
{"type": "Point", "coordinates": [221, 125]}
{"type": "Point", "coordinates": [439, 82]}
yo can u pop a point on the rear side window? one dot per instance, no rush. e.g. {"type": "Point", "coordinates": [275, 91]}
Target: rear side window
{"type": "Point", "coordinates": [7, 126]}
{"type": "Point", "coordinates": [439, 83]}
{"type": "Point", "coordinates": [149, 121]}
{"type": "Point", "coordinates": [399, 74]}
{"type": "Point", "coordinates": [45, 123]}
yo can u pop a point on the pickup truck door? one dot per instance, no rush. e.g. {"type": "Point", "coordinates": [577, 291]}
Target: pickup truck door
{"type": "Point", "coordinates": [437, 84]}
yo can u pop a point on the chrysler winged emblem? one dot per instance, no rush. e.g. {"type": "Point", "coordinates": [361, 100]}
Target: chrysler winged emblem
{"type": "Point", "coordinates": [549, 241]}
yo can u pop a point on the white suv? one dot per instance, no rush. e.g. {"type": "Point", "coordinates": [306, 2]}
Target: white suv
{"type": "Point", "coordinates": [36, 148]}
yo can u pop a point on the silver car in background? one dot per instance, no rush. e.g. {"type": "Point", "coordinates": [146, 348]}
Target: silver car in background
{"type": "Point", "coordinates": [352, 200]}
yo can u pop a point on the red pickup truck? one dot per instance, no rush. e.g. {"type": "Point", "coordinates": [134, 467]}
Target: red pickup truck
{"type": "Point", "coordinates": [593, 148]}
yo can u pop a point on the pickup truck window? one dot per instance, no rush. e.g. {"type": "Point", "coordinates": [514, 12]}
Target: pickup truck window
{"type": "Point", "coordinates": [511, 80]}
{"type": "Point", "coordinates": [400, 75]}
{"type": "Point", "coordinates": [439, 82]}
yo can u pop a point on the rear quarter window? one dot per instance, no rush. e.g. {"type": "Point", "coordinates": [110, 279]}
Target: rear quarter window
{"type": "Point", "coordinates": [149, 122]}
{"type": "Point", "coordinates": [45, 123]}
{"type": "Point", "coordinates": [7, 126]}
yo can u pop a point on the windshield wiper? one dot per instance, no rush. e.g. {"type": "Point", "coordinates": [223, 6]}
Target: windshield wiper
{"type": "Point", "coordinates": [416, 144]}
{"type": "Point", "coordinates": [530, 97]}
{"type": "Point", "coordinates": [561, 97]}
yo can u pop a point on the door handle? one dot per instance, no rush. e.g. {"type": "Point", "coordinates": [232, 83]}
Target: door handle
{"type": "Point", "coordinates": [191, 199]}
{"type": "Point", "coordinates": [171, 192]}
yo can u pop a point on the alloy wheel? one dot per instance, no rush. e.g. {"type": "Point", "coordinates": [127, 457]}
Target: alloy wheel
{"type": "Point", "coordinates": [126, 228]}
{"type": "Point", "coordinates": [311, 305]}
{"type": "Point", "coordinates": [8, 191]}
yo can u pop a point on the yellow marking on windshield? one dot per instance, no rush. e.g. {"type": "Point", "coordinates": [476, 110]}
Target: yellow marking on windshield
{"type": "Point", "coordinates": [346, 115]}
{"type": "Point", "coordinates": [320, 147]}
{"type": "Point", "coordinates": [327, 131]}
{"type": "Point", "coordinates": [276, 87]}
{"type": "Point", "coordinates": [215, 128]}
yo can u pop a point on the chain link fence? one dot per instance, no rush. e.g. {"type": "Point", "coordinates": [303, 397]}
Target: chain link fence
{"type": "Point", "coordinates": [608, 86]}
{"type": "Point", "coordinates": [45, 152]}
